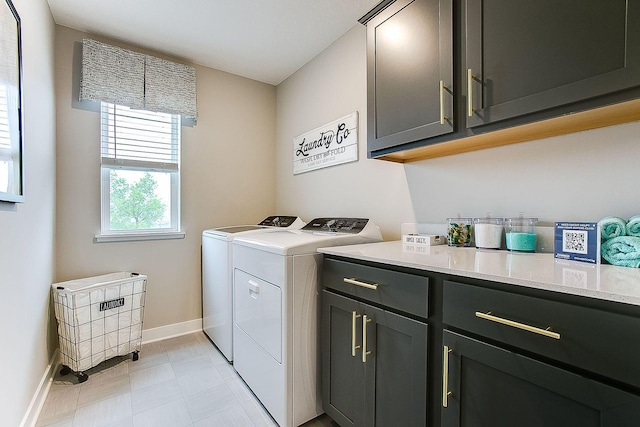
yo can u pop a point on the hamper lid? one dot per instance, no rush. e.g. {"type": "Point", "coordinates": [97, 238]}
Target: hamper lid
{"type": "Point", "coordinates": [110, 279]}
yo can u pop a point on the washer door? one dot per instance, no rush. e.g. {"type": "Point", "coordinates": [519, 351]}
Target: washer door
{"type": "Point", "coordinates": [258, 311]}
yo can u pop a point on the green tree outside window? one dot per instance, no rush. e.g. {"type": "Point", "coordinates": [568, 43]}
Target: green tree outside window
{"type": "Point", "coordinates": [135, 206]}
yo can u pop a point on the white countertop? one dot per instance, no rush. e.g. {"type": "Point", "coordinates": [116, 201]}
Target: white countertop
{"type": "Point", "coordinates": [533, 270]}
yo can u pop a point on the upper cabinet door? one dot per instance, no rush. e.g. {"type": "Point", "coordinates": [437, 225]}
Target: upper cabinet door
{"type": "Point", "coordinates": [409, 73]}
{"type": "Point", "coordinates": [524, 56]}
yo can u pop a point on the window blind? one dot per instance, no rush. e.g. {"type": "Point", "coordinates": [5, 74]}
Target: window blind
{"type": "Point", "coordinates": [5, 133]}
{"type": "Point", "coordinates": [120, 76]}
{"type": "Point", "coordinates": [135, 139]}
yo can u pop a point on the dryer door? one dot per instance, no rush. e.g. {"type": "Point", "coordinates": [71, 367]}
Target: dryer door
{"type": "Point", "coordinates": [258, 311]}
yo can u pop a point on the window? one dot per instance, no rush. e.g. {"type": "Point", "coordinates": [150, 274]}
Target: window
{"type": "Point", "coordinates": [140, 172]}
{"type": "Point", "coordinates": [6, 159]}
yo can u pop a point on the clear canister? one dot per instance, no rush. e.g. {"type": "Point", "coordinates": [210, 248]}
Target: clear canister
{"type": "Point", "coordinates": [488, 232]}
{"type": "Point", "coordinates": [520, 234]}
{"type": "Point", "coordinates": [459, 231]}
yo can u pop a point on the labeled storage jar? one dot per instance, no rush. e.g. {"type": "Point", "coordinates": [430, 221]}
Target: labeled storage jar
{"type": "Point", "coordinates": [488, 232]}
{"type": "Point", "coordinates": [520, 234]}
{"type": "Point", "coordinates": [459, 231]}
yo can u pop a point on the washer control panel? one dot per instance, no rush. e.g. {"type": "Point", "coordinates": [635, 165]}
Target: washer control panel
{"type": "Point", "coordinates": [336, 225]}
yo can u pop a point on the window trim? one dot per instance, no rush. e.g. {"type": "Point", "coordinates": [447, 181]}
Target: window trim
{"type": "Point", "coordinates": [134, 237]}
{"type": "Point", "coordinates": [108, 164]}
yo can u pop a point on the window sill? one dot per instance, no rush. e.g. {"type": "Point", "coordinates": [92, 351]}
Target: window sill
{"type": "Point", "coordinates": [132, 237]}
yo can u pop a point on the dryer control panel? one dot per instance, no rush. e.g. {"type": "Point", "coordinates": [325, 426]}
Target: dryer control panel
{"type": "Point", "coordinates": [337, 225]}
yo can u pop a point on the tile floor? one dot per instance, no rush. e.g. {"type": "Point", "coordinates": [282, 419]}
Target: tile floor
{"type": "Point", "coordinates": [182, 381]}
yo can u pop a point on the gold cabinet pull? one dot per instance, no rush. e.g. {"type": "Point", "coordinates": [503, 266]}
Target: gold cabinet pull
{"type": "Point", "coordinates": [354, 347]}
{"type": "Point", "coordinates": [469, 92]}
{"type": "Point", "coordinates": [546, 332]}
{"type": "Point", "coordinates": [445, 376]}
{"type": "Point", "coordinates": [365, 353]}
{"type": "Point", "coordinates": [373, 286]}
{"type": "Point", "coordinates": [442, 117]}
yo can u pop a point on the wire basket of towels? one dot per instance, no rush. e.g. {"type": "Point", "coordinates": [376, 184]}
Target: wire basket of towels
{"type": "Point", "coordinates": [98, 318]}
{"type": "Point", "coordinates": [620, 241]}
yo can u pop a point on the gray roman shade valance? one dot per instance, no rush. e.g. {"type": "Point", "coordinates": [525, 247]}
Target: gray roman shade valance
{"type": "Point", "coordinates": [123, 77]}
{"type": "Point", "coordinates": [112, 74]}
{"type": "Point", "coordinates": [170, 87]}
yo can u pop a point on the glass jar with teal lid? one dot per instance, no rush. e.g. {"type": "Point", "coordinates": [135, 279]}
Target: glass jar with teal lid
{"type": "Point", "coordinates": [520, 234]}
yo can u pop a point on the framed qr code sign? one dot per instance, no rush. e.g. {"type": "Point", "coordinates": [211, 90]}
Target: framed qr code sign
{"type": "Point", "coordinates": [577, 241]}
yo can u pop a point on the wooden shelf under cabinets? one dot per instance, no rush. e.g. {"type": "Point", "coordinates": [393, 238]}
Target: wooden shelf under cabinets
{"type": "Point", "coordinates": [624, 112]}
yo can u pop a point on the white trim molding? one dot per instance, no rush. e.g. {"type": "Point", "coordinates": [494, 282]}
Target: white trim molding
{"type": "Point", "coordinates": [171, 331]}
{"type": "Point", "coordinates": [37, 402]}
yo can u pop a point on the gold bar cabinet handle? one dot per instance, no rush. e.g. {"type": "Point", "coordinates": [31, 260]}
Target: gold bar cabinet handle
{"type": "Point", "coordinates": [442, 117]}
{"type": "Point", "coordinates": [469, 92]}
{"type": "Point", "coordinates": [445, 377]}
{"type": "Point", "coordinates": [365, 353]}
{"type": "Point", "coordinates": [354, 347]}
{"type": "Point", "coordinates": [546, 332]}
{"type": "Point", "coordinates": [373, 286]}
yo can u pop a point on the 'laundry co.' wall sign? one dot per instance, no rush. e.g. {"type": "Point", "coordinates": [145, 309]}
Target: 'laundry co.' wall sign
{"type": "Point", "coordinates": [332, 144]}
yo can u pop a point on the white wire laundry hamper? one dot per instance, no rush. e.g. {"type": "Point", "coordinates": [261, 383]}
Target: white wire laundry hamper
{"type": "Point", "coordinates": [98, 318]}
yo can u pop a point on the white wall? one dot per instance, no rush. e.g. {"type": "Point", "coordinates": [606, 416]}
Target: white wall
{"type": "Point", "coordinates": [227, 178]}
{"type": "Point", "coordinates": [582, 176]}
{"type": "Point", "coordinates": [27, 229]}
{"type": "Point", "coordinates": [333, 85]}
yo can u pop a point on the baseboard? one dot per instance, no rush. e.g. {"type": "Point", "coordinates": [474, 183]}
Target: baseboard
{"type": "Point", "coordinates": [170, 331]}
{"type": "Point", "coordinates": [37, 402]}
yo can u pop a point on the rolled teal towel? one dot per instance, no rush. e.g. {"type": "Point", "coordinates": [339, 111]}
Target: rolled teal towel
{"type": "Point", "coordinates": [612, 226]}
{"type": "Point", "coordinates": [633, 226]}
{"type": "Point", "coordinates": [623, 251]}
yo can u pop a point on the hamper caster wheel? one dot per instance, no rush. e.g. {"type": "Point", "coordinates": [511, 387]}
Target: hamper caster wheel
{"type": "Point", "coordinates": [65, 370]}
{"type": "Point", "coordinates": [82, 377]}
{"type": "Point", "coordinates": [135, 356]}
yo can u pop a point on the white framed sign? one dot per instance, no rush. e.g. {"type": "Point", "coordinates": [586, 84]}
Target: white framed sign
{"type": "Point", "coordinates": [332, 144]}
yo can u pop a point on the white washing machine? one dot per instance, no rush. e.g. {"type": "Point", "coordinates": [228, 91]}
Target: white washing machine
{"type": "Point", "coordinates": [276, 311]}
{"type": "Point", "coordinates": [217, 277]}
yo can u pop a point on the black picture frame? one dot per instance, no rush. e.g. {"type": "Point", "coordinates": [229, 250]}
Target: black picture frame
{"type": "Point", "coordinates": [11, 114]}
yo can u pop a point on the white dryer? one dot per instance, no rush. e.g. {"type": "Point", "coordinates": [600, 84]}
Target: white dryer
{"type": "Point", "coordinates": [217, 277]}
{"type": "Point", "coordinates": [276, 311]}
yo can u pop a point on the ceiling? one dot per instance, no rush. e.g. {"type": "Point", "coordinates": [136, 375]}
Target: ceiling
{"type": "Point", "coordinates": [264, 40]}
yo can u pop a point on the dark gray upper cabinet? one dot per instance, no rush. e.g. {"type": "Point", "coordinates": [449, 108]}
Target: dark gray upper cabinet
{"type": "Point", "coordinates": [458, 71]}
{"type": "Point", "coordinates": [409, 72]}
{"type": "Point", "coordinates": [526, 56]}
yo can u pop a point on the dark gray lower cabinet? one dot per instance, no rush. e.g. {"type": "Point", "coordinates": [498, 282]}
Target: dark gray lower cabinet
{"type": "Point", "coordinates": [485, 385]}
{"type": "Point", "coordinates": [374, 365]}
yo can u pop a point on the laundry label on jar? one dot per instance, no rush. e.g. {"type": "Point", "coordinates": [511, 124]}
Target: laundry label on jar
{"type": "Point", "coordinates": [114, 303]}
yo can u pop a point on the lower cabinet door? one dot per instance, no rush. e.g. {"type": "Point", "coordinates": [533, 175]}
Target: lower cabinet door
{"type": "Point", "coordinates": [374, 365]}
{"type": "Point", "coordinates": [395, 350]}
{"type": "Point", "coordinates": [342, 368]}
{"type": "Point", "coordinates": [484, 385]}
